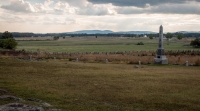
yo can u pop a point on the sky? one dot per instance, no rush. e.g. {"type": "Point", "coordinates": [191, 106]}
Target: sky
{"type": "Point", "coordinates": [48, 16]}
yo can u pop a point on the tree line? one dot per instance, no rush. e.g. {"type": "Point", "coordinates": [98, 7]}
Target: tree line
{"type": "Point", "coordinates": [7, 40]}
{"type": "Point", "coordinates": [18, 34]}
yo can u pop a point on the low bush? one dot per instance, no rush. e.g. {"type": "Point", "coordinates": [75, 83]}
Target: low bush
{"type": "Point", "coordinates": [9, 43]}
{"type": "Point", "coordinates": [140, 43]}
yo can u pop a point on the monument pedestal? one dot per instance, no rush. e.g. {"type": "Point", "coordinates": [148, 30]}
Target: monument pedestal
{"type": "Point", "coordinates": [161, 60]}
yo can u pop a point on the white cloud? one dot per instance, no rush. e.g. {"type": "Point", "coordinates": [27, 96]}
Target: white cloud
{"type": "Point", "coordinates": [71, 15]}
{"type": "Point", "coordinates": [76, 3]}
{"type": "Point", "coordinates": [19, 6]}
{"type": "Point", "coordinates": [39, 7]}
{"type": "Point", "coordinates": [189, 8]}
{"type": "Point", "coordinates": [91, 9]}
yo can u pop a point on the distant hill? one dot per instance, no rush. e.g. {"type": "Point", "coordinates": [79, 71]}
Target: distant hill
{"type": "Point", "coordinates": [136, 32]}
{"type": "Point", "coordinates": [109, 31]}
{"type": "Point", "coordinates": [91, 32]}
{"type": "Point", "coordinates": [184, 32]}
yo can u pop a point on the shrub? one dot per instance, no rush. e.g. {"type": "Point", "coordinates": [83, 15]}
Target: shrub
{"type": "Point", "coordinates": [8, 43]}
{"type": "Point", "coordinates": [55, 38]}
{"type": "Point", "coordinates": [195, 43]}
{"type": "Point", "coordinates": [140, 43]}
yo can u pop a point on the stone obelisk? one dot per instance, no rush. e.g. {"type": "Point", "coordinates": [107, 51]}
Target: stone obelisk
{"type": "Point", "coordinates": [160, 58]}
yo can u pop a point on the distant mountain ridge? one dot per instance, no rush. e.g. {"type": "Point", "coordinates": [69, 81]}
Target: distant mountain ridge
{"type": "Point", "coordinates": [91, 32]}
{"type": "Point", "coordinates": [136, 32]}
{"type": "Point", "coordinates": [184, 32]}
{"type": "Point", "coordinates": [109, 31]}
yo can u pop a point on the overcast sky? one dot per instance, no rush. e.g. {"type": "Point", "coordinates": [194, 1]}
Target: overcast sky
{"type": "Point", "coordinates": [46, 16]}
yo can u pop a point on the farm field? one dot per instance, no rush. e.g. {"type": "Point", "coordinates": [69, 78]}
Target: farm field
{"type": "Point", "coordinates": [81, 86]}
{"type": "Point", "coordinates": [100, 44]}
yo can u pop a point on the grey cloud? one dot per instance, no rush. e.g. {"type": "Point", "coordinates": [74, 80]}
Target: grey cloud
{"type": "Point", "coordinates": [76, 3]}
{"type": "Point", "coordinates": [190, 8]}
{"type": "Point", "coordinates": [139, 3]}
{"type": "Point", "coordinates": [12, 18]}
{"type": "Point", "coordinates": [177, 9]}
{"type": "Point", "coordinates": [18, 6]}
{"type": "Point", "coordinates": [91, 10]}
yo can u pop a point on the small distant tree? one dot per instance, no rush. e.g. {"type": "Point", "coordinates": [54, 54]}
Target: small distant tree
{"type": "Point", "coordinates": [7, 41]}
{"type": "Point", "coordinates": [195, 43]}
{"type": "Point", "coordinates": [180, 36]}
{"type": "Point", "coordinates": [7, 35]}
{"type": "Point", "coordinates": [55, 38]}
{"type": "Point", "coordinates": [140, 43]}
{"type": "Point", "coordinates": [169, 35]}
{"type": "Point", "coordinates": [151, 36]}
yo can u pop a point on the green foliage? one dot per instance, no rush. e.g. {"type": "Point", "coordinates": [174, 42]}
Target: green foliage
{"type": "Point", "coordinates": [169, 35]}
{"type": "Point", "coordinates": [150, 36]}
{"type": "Point", "coordinates": [55, 38]}
{"type": "Point", "coordinates": [140, 43]}
{"type": "Point", "coordinates": [8, 43]}
{"type": "Point", "coordinates": [180, 36]}
{"type": "Point", "coordinates": [195, 43]}
{"type": "Point", "coordinates": [7, 35]}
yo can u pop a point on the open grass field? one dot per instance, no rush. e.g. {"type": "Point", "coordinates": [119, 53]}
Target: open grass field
{"type": "Point", "coordinates": [75, 86]}
{"type": "Point", "coordinates": [100, 44]}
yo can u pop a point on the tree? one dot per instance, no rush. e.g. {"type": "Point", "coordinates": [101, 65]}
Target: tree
{"type": "Point", "coordinates": [140, 43]}
{"type": "Point", "coordinates": [150, 36]}
{"type": "Point", "coordinates": [7, 35]}
{"type": "Point", "coordinates": [195, 43]}
{"type": "Point", "coordinates": [7, 41]}
{"type": "Point", "coordinates": [55, 38]}
{"type": "Point", "coordinates": [169, 35]}
{"type": "Point", "coordinates": [180, 36]}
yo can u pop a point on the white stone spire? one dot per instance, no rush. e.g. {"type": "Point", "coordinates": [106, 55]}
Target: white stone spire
{"type": "Point", "coordinates": [160, 58]}
{"type": "Point", "coordinates": [160, 45]}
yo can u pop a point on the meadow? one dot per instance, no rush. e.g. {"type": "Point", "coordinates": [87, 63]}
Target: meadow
{"type": "Point", "coordinates": [91, 49]}
{"type": "Point", "coordinates": [100, 44]}
{"type": "Point", "coordinates": [93, 85]}
{"type": "Point", "coordinates": [81, 86]}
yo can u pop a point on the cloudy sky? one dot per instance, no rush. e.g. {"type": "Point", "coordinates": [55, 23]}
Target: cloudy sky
{"type": "Point", "coordinates": [46, 16]}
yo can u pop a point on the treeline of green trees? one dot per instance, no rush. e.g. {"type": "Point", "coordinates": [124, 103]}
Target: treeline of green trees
{"type": "Point", "coordinates": [7, 41]}
{"type": "Point", "coordinates": [17, 34]}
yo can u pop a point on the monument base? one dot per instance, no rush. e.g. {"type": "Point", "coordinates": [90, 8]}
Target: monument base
{"type": "Point", "coordinates": [161, 60]}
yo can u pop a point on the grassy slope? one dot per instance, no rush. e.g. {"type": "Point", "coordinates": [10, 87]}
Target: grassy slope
{"type": "Point", "coordinates": [113, 87]}
{"type": "Point", "coordinates": [101, 44]}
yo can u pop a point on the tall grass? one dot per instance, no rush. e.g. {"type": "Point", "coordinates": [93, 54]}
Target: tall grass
{"type": "Point", "coordinates": [128, 57]}
{"type": "Point", "coordinates": [98, 87]}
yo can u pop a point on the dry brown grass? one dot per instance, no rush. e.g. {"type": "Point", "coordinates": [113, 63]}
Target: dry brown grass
{"type": "Point", "coordinates": [103, 87]}
{"type": "Point", "coordinates": [146, 57]}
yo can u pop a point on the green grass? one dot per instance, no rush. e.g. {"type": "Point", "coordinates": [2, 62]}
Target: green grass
{"type": "Point", "coordinates": [103, 87]}
{"type": "Point", "coordinates": [101, 44]}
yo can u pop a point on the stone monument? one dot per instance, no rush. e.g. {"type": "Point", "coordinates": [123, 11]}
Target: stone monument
{"type": "Point", "coordinates": [160, 58]}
